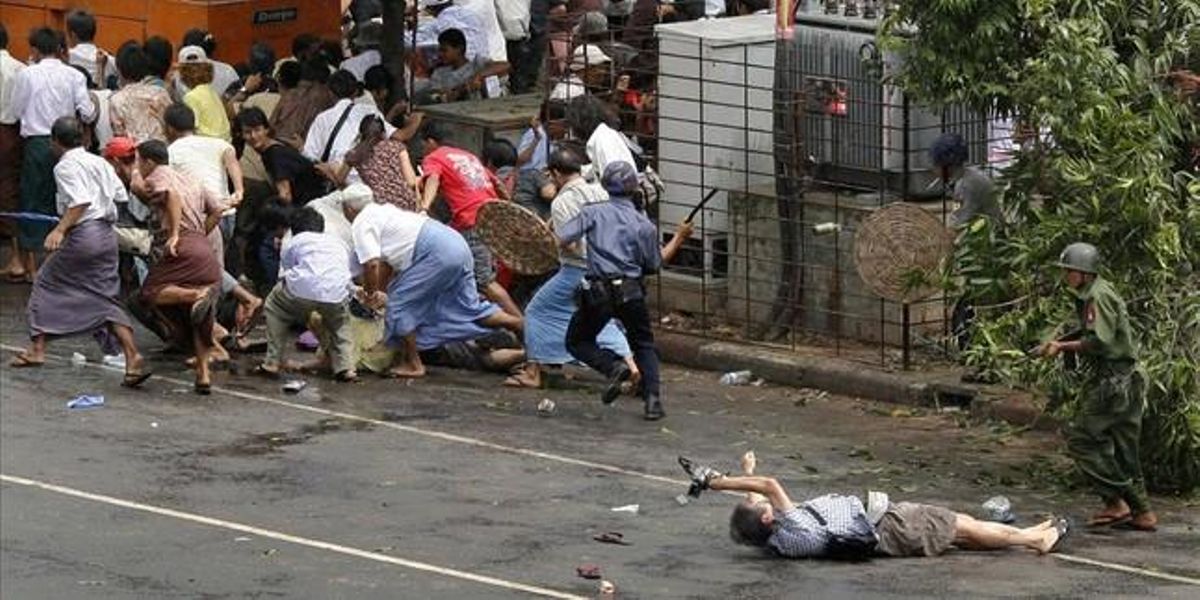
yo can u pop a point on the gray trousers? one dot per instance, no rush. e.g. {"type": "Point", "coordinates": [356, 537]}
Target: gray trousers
{"type": "Point", "coordinates": [283, 309]}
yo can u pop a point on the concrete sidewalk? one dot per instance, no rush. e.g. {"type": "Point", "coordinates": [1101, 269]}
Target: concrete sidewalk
{"type": "Point", "coordinates": [839, 376]}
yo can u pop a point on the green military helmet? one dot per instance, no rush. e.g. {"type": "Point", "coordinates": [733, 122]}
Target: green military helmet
{"type": "Point", "coordinates": [1080, 256]}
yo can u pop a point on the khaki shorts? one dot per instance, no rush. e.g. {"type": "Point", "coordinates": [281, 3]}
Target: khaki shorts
{"type": "Point", "coordinates": [909, 529]}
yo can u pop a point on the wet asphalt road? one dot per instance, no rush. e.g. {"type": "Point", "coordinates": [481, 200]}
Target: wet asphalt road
{"type": "Point", "coordinates": [458, 474]}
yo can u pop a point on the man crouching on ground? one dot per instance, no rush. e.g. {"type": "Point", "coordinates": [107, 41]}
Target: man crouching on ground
{"type": "Point", "coordinates": [829, 526]}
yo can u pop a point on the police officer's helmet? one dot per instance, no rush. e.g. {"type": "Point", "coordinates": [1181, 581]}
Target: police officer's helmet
{"type": "Point", "coordinates": [1080, 256]}
{"type": "Point", "coordinates": [950, 150]}
{"type": "Point", "coordinates": [619, 178]}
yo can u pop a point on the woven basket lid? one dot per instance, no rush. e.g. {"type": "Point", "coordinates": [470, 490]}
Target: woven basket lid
{"type": "Point", "coordinates": [518, 237]}
{"type": "Point", "coordinates": [899, 250]}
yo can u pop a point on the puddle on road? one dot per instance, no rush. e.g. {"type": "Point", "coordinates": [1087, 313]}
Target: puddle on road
{"type": "Point", "coordinates": [259, 444]}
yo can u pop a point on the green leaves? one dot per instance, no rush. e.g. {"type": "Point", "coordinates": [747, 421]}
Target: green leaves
{"type": "Point", "coordinates": [1112, 168]}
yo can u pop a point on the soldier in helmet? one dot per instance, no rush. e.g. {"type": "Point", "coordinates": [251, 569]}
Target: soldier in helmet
{"type": "Point", "coordinates": [971, 188]}
{"type": "Point", "coordinates": [1104, 437]}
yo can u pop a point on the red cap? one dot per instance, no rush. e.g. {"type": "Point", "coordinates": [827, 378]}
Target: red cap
{"type": "Point", "coordinates": [119, 147]}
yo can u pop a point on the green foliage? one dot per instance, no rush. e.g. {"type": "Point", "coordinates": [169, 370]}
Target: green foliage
{"type": "Point", "coordinates": [1110, 168]}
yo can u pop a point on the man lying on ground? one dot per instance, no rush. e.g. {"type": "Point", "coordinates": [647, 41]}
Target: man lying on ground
{"type": "Point", "coordinates": [836, 526]}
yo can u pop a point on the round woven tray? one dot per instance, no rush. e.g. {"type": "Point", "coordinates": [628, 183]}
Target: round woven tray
{"type": "Point", "coordinates": [517, 237]}
{"type": "Point", "coordinates": [899, 250]}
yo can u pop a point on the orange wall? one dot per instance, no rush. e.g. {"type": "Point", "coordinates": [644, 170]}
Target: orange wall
{"type": "Point", "coordinates": [230, 21]}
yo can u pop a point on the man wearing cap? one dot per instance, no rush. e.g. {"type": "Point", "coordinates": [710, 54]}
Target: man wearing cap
{"type": "Point", "coordinates": [589, 73]}
{"type": "Point", "coordinates": [1104, 437]}
{"type": "Point", "coordinates": [973, 191]}
{"type": "Point", "coordinates": [196, 72]}
{"type": "Point", "coordinates": [224, 75]}
{"type": "Point", "coordinates": [42, 93]}
{"type": "Point", "coordinates": [132, 228]}
{"type": "Point", "coordinates": [622, 249]}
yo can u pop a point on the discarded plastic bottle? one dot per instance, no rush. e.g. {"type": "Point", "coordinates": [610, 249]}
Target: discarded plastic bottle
{"type": "Point", "coordinates": [737, 378]}
{"type": "Point", "coordinates": [999, 509]}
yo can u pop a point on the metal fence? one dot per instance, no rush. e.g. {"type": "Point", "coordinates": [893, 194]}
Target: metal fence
{"type": "Point", "coordinates": [792, 143]}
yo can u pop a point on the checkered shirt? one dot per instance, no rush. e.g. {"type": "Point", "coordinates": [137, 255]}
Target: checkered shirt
{"type": "Point", "coordinates": [799, 535]}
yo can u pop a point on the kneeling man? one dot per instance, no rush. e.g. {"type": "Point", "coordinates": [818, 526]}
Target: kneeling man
{"type": "Point", "coordinates": [432, 298]}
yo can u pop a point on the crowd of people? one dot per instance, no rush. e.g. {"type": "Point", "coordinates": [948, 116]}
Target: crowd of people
{"type": "Point", "coordinates": [204, 199]}
{"type": "Point", "coordinates": [307, 193]}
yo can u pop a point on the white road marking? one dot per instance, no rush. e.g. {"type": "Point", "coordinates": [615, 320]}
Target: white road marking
{"type": "Point", "coordinates": [1127, 569]}
{"type": "Point", "coordinates": [460, 439]}
{"type": "Point", "coordinates": [294, 539]}
{"type": "Point", "coordinates": [446, 437]}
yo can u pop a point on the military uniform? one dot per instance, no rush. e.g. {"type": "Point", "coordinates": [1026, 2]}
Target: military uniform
{"type": "Point", "coordinates": [1105, 435]}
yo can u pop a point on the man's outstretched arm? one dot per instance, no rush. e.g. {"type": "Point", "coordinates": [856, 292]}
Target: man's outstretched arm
{"type": "Point", "coordinates": [766, 486]}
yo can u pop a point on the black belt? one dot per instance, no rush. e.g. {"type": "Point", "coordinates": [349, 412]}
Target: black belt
{"type": "Point", "coordinates": [611, 281]}
{"type": "Point", "coordinates": [615, 290]}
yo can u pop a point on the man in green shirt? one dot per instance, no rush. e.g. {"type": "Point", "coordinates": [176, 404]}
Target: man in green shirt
{"type": "Point", "coordinates": [1104, 437]}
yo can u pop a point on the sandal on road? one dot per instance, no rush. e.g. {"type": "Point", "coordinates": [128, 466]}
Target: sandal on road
{"type": "Point", "coordinates": [1102, 519]}
{"type": "Point", "coordinates": [1063, 526]}
{"type": "Point", "coordinates": [135, 380]}
{"type": "Point", "coordinates": [23, 361]}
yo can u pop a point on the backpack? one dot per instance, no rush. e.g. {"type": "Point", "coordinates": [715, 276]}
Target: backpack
{"type": "Point", "coordinates": [855, 543]}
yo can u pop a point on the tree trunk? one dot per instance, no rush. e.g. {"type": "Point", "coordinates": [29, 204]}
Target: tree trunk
{"type": "Point", "coordinates": [392, 46]}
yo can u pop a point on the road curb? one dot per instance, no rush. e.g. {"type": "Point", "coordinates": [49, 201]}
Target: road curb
{"type": "Point", "coordinates": [832, 375]}
{"type": "Point", "coordinates": [843, 377]}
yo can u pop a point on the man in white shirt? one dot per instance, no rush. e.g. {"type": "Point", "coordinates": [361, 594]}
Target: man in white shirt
{"type": "Point", "coordinates": [78, 289]}
{"type": "Point", "coordinates": [497, 48]}
{"type": "Point", "coordinates": [482, 38]}
{"type": "Point", "coordinates": [214, 164]}
{"type": "Point", "coordinates": [587, 117]}
{"type": "Point", "coordinates": [335, 131]}
{"type": "Point", "coordinates": [432, 298]}
{"type": "Point", "coordinates": [211, 161]}
{"type": "Point", "coordinates": [10, 149]}
{"type": "Point", "coordinates": [81, 33]}
{"type": "Point", "coordinates": [314, 277]}
{"type": "Point", "coordinates": [42, 93]}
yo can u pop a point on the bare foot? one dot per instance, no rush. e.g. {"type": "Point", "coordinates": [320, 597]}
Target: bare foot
{"type": "Point", "coordinates": [750, 462]}
{"type": "Point", "coordinates": [407, 372]}
{"type": "Point", "coordinates": [1049, 538]}
{"type": "Point", "coordinates": [528, 377]}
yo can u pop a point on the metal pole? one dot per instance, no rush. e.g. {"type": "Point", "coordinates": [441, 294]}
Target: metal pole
{"type": "Point", "coordinates": [907, 336]}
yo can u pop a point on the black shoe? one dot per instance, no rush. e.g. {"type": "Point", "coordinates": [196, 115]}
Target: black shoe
{"type": "Point", "coordinates": [654, 409]}
{"type": "Point", "coordinates": [613, 390]}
